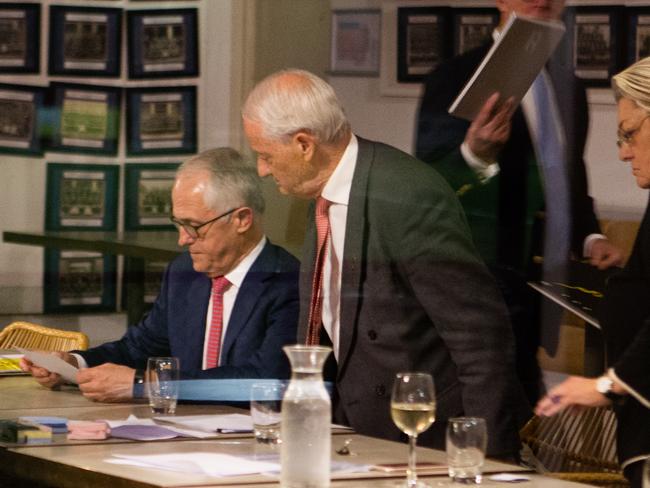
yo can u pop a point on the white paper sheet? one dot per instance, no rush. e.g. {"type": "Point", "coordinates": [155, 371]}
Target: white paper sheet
{"type": "Point", "coordinates": [133, 420]}
{"type": "Point", "coordinates": [233, 422]}
{"type": "Point", "coordinates": [210, 464]}
{"type": "Point", "coordinates": [52, 363]}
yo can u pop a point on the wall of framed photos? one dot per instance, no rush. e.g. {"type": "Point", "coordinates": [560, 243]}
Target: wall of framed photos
{"type": "Point", "coordinates": [100, 101]}
{"type": "Point", "coordinates": [383, 106]}
{"type": "Point", "coordinates": [238, 43]}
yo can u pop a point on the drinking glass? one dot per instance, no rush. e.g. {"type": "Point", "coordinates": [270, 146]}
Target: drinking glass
{"type": "Point", "coordinates": [413, 409]}
{"type": "Point", "coordinates": [162, 386]}
{"type": "Point", "coordinates": [466, 442]}
{"type": "Point", "coordinates": [266, 411]}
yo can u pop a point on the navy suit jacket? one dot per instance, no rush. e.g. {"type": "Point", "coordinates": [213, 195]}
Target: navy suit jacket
{"type": "Point", "coordinates": [263, 320]}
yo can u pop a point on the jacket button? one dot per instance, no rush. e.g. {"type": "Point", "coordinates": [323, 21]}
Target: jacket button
{"type": "Point", "coordinates": [372, 335]}
{"type": "Point", "coordinates": [380, 390]}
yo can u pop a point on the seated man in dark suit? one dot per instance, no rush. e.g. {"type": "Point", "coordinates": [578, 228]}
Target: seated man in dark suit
{"type": "Point", "coordinates": [237, 330]}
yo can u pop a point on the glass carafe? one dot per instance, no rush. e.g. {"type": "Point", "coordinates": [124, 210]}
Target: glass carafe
{"type": "Point", "coordinates": [306, 417]}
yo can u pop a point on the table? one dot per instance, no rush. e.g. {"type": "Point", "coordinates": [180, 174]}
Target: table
{"type": "Point", "coordinates": [78, 464]}
{"type": "Point", "coordinates": [136, 246]}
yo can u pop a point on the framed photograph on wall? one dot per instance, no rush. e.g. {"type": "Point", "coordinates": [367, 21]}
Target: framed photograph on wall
{"type": "Point", "coordinates": [473, 27]}
{"type": "Point", "coordinates": [85, 41]}
{"type": "Point", "coordinates": [638, 33]}
{"type": "Point", "coordinates": [86, 118]}
{"type": "Point", "coordinates": [81, 196]}
{"type": "Point", "coordinates": [163, 43]}
{"type": "Point", "coordinates": [148, 195]}
{"type": "Point", "coordinates": [20, 38]}
{"type": "Point", "coordinates": [161, 120]}
{"type": "Point", "coordinates": [423, 41]}
{"type": "Point", "coordinates": [355, 44]}
{"type": "Point", "coordinates": [597, 40]}
{"type": "Point", "coordinates": [79, 281]}
{"type": "Point", "coordinates": [21, 119]}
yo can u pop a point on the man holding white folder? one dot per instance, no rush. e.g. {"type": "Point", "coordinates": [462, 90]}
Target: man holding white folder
{"type": "Point", "coordinates": [496, 165]}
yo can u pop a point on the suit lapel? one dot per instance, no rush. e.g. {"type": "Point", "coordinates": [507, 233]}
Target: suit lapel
{"type": "Point", "coordinates": [353, 254]}
{"type": "Point", "coordinates": [248, 296]}
{"type": "Point", "coordinates": [193, 318]}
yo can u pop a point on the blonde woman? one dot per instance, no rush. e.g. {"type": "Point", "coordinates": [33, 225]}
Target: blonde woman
{"type": "Point", "coordinates": [625, 316]}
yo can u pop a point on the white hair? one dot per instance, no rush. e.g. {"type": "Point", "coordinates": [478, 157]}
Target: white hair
{"type": "Point", "coordinates": [233, 181]}
{"type": "Point", "coordinates": [296, 100]}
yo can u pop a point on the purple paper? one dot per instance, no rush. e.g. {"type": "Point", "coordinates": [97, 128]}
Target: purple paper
{"type": "Point", "coordinates": [144, 432]}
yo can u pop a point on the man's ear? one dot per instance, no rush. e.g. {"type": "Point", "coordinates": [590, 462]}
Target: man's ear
{"type": "Point", "coordinates": [306, 144]}
{"type": "Point", "coordinates": [243, 218]}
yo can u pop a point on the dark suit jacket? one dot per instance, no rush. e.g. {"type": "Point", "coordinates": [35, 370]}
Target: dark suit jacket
{"type": "Point", "coordinates": [415, 297]}
{"type": "Point", "coordinates": [263, 319]}
{"type": "Point", "coordinates": [500, 212]}
{"type": "Point", "coordinates": [625, 319]}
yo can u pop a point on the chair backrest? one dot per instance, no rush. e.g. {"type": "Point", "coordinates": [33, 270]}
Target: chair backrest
{"type": "Point", "coordinates": [576, 444]}
{"type": "Point", "coordinates": [33, 336]}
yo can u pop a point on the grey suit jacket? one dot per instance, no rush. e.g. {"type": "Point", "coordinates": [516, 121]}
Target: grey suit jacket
{"type": "Point", "coordinates": [416, 297]}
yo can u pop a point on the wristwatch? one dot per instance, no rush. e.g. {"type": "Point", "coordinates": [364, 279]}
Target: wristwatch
{"type": "Point", "coordinates": [604, 385]}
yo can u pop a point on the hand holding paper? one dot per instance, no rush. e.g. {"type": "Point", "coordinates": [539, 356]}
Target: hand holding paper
{"type": "Point", "coordinates": [50, 368]}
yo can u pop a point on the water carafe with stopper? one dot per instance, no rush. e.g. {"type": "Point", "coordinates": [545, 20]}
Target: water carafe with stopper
{"type": "Point", "coordinates": [306, 417]}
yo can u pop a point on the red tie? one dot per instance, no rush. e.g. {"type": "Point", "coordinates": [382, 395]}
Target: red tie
{"type": "Point", "coordinates": [219, 285]}
{"type": "Point", "coordinates": [316, 306]}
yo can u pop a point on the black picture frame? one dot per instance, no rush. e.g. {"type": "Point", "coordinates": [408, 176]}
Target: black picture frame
{"type": "Point", "coordinates": [147, 195]}
{"type": "Point", "coordinates": [85, 118]}
{"type": "Point", "coordinates": [597, 42]}
{"type": "Point", "coordinates": [163, 43]}
{"type": "Point", "coordinates": [423, 41]}
{"type": "Point", "coordinates": [20, 38]}
{"type": "Point", "coordinates": [22, 114]}
{"type": "Point", "coordinates": [81, 197]}
{"type": "Point", "coordinates": [473, 27]}
{"type": "Point", "coordinates": [79, 281]}
{"type": "Point", "coordinates": [161, 120]}
{"type": "Point", "coordinates": [637, 20]}
{"type": "Point", "coordinates": [85, 41]}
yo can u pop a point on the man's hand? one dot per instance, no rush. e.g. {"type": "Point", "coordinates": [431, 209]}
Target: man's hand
{"type": "Point", "coordinates": [106, 383]}
{"type": "Point", "coordinates": [43, 376]}
{"type": "Point", "coordinates": [604, 254]}
{"type": "Point", "coordinates": [490, 130]}
{"type": "Point", "coordinates": [575, 391]}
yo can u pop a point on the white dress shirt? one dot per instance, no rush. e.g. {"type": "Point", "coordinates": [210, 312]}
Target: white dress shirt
{"type": "Point", "coordinates": [337, 190]}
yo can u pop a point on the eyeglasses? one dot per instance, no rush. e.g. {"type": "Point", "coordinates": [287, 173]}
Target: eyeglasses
{"type": "Point", "coordinates": [193, 230]}
{"type": "Point", "coordinates": [627, 136]}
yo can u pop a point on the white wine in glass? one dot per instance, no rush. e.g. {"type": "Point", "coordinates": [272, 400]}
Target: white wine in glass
{"type": "Point", "coordinates": [413, 409]}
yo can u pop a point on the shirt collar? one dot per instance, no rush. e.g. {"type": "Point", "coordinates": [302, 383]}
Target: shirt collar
{"type": "Point", "coordinates": [337, 189]}
{"type": "Point", "coordinates": [238, 273]}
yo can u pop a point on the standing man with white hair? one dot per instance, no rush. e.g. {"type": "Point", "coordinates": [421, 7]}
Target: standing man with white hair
{"type": "Point", "coordinates": [389, 275]}
{"type": "Point", "coordinates": [226, 306]}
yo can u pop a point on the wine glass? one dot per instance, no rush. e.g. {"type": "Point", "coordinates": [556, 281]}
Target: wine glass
{"type": "Point", "coordinates": [413, 409]}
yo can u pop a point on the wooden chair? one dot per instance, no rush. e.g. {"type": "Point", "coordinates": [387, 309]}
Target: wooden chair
{"type": "Point", "coordinates": [575, 446]}
{"type": "Point", "coordinates": [33, 336]}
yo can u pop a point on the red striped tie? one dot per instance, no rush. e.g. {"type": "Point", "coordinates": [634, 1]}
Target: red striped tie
{"type": "Point", "coordinates": [316, 305]}
{"type": "Point", "coordinates": [219, 285]}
